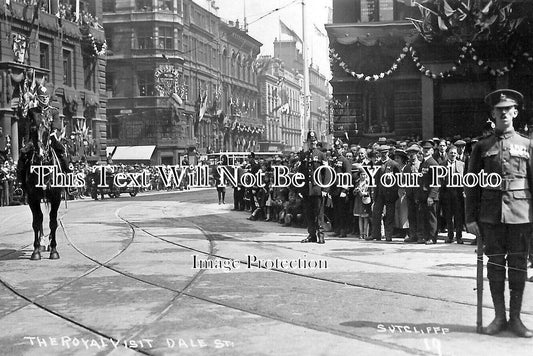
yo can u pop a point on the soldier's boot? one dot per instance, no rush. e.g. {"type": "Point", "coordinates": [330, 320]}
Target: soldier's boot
{"type": "Point", "coordinates": [320, 237]}
{"type": "Point", "coordinates": [309, 238]}
{"type": "Point", "coordinates": [515, 324]}
{"type": "Point", "coordinates": [497, 289]}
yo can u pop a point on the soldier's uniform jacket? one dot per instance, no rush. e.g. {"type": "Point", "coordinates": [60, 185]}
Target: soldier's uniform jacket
{"type": "Point", "coordinates": [310, 161]}
{"type": "Point", "coordinates": [411, 168]}
{"type": "Point", "coordinates": [509, 155]}
{"type": "Point", "coordinates": [425, 189]}
{"type": "Point", "coordinates": [390, 193]}
{"type": "Point", "coordinates": [50, 117]}
{"type": "Point", "coordinates": [341, 165]}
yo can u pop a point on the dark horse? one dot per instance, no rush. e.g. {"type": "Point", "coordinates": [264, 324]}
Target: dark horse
{"type": "Point", "coordinates": [41, 153]}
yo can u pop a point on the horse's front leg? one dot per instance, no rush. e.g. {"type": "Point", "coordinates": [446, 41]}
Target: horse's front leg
{"type": "Point", "coordinates": [54, 207]}
{"type": "Point", "coordinates": [37, 224]}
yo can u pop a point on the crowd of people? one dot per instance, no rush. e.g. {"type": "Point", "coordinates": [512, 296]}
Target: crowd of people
{"type": "Point", "coordinates": [415, 214]}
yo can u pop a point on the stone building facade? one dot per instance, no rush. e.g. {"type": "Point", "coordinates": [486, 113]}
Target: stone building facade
{"type": "Point", "coordinates": [179, 79]}
{"type": "Point", "coordinates": [68, 53]}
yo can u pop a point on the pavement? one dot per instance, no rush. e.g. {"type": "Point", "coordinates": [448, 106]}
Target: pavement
{"type": "Point", "coordinates": [168, 274]}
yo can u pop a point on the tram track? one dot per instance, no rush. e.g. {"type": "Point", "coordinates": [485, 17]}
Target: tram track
{"type": "Point", "coordinates": [183, 292]}
{"type": "Point", "coordinates": [322, 279]}
{"type": "Point", "coordinates": [211, 237]}
{"type": "Point", "coordinates": [99, 264]}
{"type": "Point", "coordinates": [35, 300]}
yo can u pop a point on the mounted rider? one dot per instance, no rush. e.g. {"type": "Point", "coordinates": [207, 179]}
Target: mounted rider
{"type": "Point", "coordinates": [41, 113]}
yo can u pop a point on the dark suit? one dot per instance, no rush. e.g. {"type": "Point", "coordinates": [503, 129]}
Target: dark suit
{"type": "Point", "coordinates": [384, 197]}
{"type": "Point", "coordinates": [452, 200]}
{"type": "Point", "coordinates": [311, 191]}
{"type": "Point", "coordinates": [341, 206]}
{"type": "Point", "coordinates": [412, 210]}
{"type": "Point", "coordinates": [427, 214]}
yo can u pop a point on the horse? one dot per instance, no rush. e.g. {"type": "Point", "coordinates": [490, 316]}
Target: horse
{"type": "Point", "coordinates": [41, 153]}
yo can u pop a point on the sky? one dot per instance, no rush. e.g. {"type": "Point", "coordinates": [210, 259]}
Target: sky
{"type": "Point", "coordinates": [267, 29]}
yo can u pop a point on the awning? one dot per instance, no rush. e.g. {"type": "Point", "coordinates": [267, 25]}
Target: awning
{"type": "Point", "coordinates": [133, 153]}
{"type": "Point", "coordinates": [109, 150]}
{"type": "Point", "coordinates": [369, 33]}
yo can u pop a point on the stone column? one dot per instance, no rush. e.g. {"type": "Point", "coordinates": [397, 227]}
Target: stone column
{"type": "Point", "coordinates": [14, 138]}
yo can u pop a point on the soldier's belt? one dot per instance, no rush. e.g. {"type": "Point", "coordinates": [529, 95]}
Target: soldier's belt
{"type": "Point", "coordinates": [511, 184]}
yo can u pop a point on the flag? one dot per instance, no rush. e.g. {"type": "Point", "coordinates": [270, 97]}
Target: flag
{"type": "Point", "coordinates": [286, 30]}
{"type": "Point", "coordinates": [203, 107]}
{"type": "Point", "coordinates": [285, 108]}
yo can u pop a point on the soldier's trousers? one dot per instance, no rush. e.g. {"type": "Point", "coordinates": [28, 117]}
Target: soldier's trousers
{"type": "Point", "coordinates": [312, 206]}
{"type": "Point", "coordinates": [506, 245]}
{"type": "Point", "coordinates": [388, 221]}
{"type": "Point", "coordinates": [412, 217]}
{"type": "Point", "coordinates": [426, 221]}
{"type": "Point", "coordinates": [341, 219]}
{"type": "Point", "coordinates": [452, 203]}
{"type": "Point", "coordinates": [238, 198]}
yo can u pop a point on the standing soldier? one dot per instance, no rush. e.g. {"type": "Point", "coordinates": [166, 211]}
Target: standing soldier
{"type": "Point", "coordinates": [339, 195]}
{"type": "Point", "coordinates": [427, 196]}
{"type": "Point", "coordinates": [311, 192]}
{"type": "Point", "coordinates": [384, 197]}
{"type": "Point", "coordinates": [502, 215]}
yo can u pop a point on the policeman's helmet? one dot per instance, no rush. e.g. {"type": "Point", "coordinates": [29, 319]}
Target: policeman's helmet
{"type": "Point", "coordinates": [42, 96]}
{"type": "Point", "coordinates": [311, 136]}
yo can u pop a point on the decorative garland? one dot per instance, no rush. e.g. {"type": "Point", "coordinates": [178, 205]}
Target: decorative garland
{"type": "Point", "coordinates": [465, 50]}
{"type": "Point", "coordinates": [90, 42]}
{"type": "Point", "coordinates": [361, 76]}
{"type": "Point", "coordinates": [247, 129]}
{"type": "Point", "coordinates": [96, 52]}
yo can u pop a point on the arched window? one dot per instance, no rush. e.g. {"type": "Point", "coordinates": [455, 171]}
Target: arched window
{"type": "Point", "coordinates": [225, 61]}
{"type": "Point", "coordinates": [233, 59]}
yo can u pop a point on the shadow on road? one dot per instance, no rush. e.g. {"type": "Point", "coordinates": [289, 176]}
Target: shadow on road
{"type": "Point", "coordinates": [11, 254]}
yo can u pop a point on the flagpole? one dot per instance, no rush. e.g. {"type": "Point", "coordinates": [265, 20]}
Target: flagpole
{"type": "Point", "coordinates": [306, 124]}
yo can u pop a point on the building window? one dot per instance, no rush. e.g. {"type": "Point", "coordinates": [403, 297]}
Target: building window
{"type": "Point", "coordinates": [67, 67]}
{"type": "Point", "coordinates": [44, 55]}
{"type": "Point", "coordinates": [145, 80]}
{"type": "Point", "coordinates": [113, 127]}
{"type": "Point", "coordinates": [108, 5]}
{"type": "Point", "coordinates": [186, 44]}
{"type": "Point", "coordinates": [166, 37]}
{"type": "Point", "coordinates": [180, 40]}
{"type": "Point", "coordinates": [110, 84]}
{"type": "Point", "coordinates": [143, 5]}
{"type": "Point", "coordinates": [165, 5]}
{"type": "Point", "coordinates": [89, 66]}
{"type": "Point", "coordinates": [145, 38]}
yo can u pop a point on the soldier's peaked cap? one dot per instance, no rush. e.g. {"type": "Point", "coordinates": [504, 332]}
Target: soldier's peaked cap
{"type": "Point", "coordinates": [504, 98]}
{"type": "Point", "coordinates": [428, 144]}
